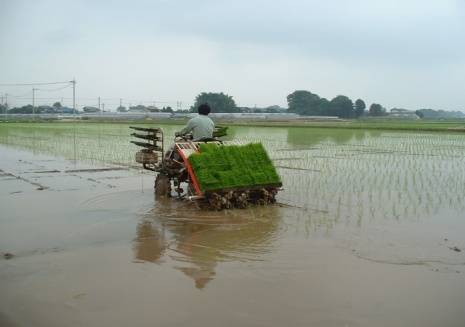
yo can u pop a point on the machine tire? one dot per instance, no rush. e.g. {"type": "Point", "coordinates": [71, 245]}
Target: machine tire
{"type": "Point", "coordinates": [163, 185]}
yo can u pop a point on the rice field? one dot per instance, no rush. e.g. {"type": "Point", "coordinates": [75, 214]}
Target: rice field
{"type": "Point", "coordinates": [328, 175]}
{"type": "Point", "coordinates": [368, 230]}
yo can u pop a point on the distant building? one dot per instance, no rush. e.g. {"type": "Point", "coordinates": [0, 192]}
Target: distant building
{"type": "Point", "coordinates": [138, 108]}
{"type": "Point", "coordinates": [90, 109]}
{"type": "Point", "coordinates": [256, 115]}
{"type": "Point", "coordinates": [152, 109]}
{"type": "Point", "coordinates": [46, 109]}
{"type": "Point", "coordinates": [66, 110]}
{"type": "Point", "coordinates": [244, 109]}
{"type": "Point", "coordinates": [403, 114]}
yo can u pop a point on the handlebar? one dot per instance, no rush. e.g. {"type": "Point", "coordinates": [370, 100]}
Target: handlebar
{"type": "Point", "coordinates": [219, 131]}
{"type": "Point", "coordinates": [185, 137]}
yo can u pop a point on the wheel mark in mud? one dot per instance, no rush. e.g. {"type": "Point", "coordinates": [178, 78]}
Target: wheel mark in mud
{"type": "Point", "coordinates": [96, 181]}
{"type": "Point", "coordinates": [408, 263]}
{"type": "Point", "coordinates": [417, 262]}
{"type": "Point", "coordinates": [284, 205]}
{"type": "Point", "coordinates": [43, 172]}
{"type": "Point", "coordinates": [3, 174]}
{"type": "Point", "coordinates": [296, 168]}
{"type": "Point", "coordinates": [96, 170]}
{"type": "Point", "coordinates": [93, 180]}
{"type": "Point", "coordinates": [77, 296]}
{"type": "Point", "coordinates": [40, 187]}
{"type": "Point", "coordinates": [93, 170]}
{"type": "Point", "coordinates": [9, 255]}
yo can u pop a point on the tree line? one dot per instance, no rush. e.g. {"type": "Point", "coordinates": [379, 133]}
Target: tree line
{"type": "Point", "coordinates": [309, 104]}
{"type": "Point", "coordinates": [300, 102]}
{"type": "Point", "coordinates": [306, 103]}
{"type": "Point", "coordinates": [434, 114]}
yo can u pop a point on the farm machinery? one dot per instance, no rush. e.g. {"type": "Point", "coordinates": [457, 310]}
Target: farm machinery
{"type": "Point", "coordinates": [214, 174]}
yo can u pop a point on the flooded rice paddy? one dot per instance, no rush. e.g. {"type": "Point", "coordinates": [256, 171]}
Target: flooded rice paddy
{"type": "Point", "coordinates": [368, 231]}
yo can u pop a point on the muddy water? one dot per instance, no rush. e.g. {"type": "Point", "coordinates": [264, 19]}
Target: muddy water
{"type": "Point", "coordinates": [89, 244]}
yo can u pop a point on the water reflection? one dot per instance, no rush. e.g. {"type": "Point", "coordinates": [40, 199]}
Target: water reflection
{"type": "Point", "coordinates": [195, 241]}
{"type": "Point", "coordinates": [150, 243]}
{"type": "Point", "coordinates": [314, 136]}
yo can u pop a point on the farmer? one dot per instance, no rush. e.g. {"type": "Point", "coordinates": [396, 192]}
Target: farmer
{"type": "Point", "coordinates": [201, 126]}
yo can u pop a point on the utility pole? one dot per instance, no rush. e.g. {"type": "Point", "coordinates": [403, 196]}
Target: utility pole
{"type": "Point", "coordinates": [33, 104]}
{"type": "Point", "coordinates": [74, 98]}
{"type": "Point", "coordinates": [74, 115]}
{"type": "Point", "coordinates": [6, 106]}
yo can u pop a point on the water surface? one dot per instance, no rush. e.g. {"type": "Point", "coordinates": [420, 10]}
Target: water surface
{"type": "Point", "coordinates": [368, 231]}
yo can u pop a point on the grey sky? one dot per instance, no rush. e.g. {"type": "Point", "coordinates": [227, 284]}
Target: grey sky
{"type": "Point", "coordinates": [405, 54]}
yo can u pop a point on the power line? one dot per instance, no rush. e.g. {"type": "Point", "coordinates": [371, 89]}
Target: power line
{"type": "Point", "coordinates": [34, 84]}
{"type": "Point", "coordinates": [60, 88]}
{"type": "Point", "coordinates": [113, 101]}
{"type": "Point", "coordinates": [20, 96]}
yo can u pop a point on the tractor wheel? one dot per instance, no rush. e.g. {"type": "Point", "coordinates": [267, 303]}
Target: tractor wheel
{"type": "Point", "coordinates": [163, 185]}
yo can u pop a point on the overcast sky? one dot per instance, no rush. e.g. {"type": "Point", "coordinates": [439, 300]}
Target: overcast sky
{"type": "Point", "coordinates": [398, 53]}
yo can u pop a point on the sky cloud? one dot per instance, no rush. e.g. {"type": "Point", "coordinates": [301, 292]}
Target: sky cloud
{"type": "Point", "coordinates": [404, 54]}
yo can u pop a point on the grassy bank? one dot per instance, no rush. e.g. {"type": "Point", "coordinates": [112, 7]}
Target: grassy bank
{"type": "Point", "coordinates": [450, 125]}
{"type": "Point", "coordinates": [457, 125]}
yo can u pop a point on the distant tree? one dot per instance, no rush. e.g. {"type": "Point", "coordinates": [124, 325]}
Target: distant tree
{"type": "Point", "coordinates": [359, 108]}
{"type": "Point", "coordinates": [419, 113]}
{"type": "Point", "coordinates": [275, 107]}
{"type": "Point", "coordinates": [376, 110]}
{"type": "Point", "coordinates": [430, 113]}
{"type": "Point", "coordinates": [271, 110]}
{"type": "Point", "coordinates": [167, 109]}
{"type": "Point", "coordinates": [244, 109]}
{"type": "Point", "coordinates": [22, 110]}
{"type": "Point", "coordinates": [57, 105]}
{"type": "Point", "coordinates": [138, 108]}
{"type": "Point", "coordinates": [325, 105]}
{"type": "Point", "coordinates": [121, 109]}
{"type": "Point", "coordinates": [342, 107]}
{"type": "Point", "coordinates": [218, 102]}
{"type": "Point", "coordinates": [304, 103]}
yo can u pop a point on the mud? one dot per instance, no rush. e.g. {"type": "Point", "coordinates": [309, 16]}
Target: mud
{"type": "Point", "coordinates": [90, 245]}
